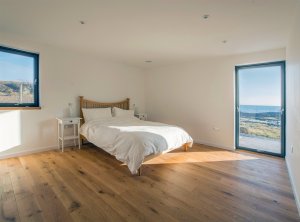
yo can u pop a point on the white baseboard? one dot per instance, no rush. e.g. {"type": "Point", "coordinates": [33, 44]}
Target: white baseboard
{"type": "Point", "coordinates": [296, 194]}
{"type": "Point", "coordinates": [27, 152]}
{"type": "Point", "coordinates": [214, 145]}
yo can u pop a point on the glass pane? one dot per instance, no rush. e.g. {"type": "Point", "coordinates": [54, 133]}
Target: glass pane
{"type": "Point", "coordinates": [260, 108]}
{"type": "Point", "coordinates": [16, 78]}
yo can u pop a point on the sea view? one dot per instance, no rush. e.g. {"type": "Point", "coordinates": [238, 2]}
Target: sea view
{"type": "Point", "coordinates": [259, 109]}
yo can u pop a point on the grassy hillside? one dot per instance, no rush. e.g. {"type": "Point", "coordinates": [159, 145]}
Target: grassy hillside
{"type": "Point", "coordinates": [10, 92]}
{"type": "Point", "coordinates": [261, 124]}
{"type": "Point", "coordinates": [10, 87]}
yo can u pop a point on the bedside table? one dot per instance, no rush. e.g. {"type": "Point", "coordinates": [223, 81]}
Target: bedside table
{"type": "Point", "coordinates": [141, 116]}
{"type": "Point", "coordinates": [71, 121]}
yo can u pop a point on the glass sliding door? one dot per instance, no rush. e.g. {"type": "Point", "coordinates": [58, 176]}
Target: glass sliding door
{"type": "Point", "coordinates": [260, 108]}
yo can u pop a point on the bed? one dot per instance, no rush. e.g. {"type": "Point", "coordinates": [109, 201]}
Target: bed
{"type": "Point", "coordinates": [131, 140]}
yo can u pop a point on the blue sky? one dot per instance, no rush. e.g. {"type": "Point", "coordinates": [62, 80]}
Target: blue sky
{"type": "Point", "coordinates": [260, 86]}
{"type": "Point", "coordinates": [16, 67]}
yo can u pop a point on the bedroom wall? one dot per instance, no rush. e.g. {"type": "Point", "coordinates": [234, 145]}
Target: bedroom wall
{"type": "Point", "coordinates": [199, 96]}
{"type": "Point", "coordinates": [293, 107]}
{"type": "Point", "coordinates": [64, 75]}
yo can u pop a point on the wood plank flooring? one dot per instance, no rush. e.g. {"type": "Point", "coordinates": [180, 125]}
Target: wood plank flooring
{"type": "Point", "coordinates": [203, 184]}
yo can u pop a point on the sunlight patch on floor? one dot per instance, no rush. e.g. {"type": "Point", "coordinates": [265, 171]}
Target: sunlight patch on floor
{"type": "Point", "coordinates": [198, 157]}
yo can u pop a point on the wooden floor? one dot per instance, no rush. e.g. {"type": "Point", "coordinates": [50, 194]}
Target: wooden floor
{"type": "Point", "coordinates": [204, 184]}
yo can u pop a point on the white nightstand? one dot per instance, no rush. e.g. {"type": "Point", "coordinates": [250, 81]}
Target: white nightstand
{"type": "Point", "coordinates": [61, 123]}
{"type": "Point", "coordinates": [141, 116]}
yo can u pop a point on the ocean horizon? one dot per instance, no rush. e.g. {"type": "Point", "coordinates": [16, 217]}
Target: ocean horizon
{"type": "Point", "coordinates": [259, 109]}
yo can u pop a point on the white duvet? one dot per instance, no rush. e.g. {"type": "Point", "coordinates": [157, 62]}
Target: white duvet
{"type": "Point", "coordinates": [130, 140]}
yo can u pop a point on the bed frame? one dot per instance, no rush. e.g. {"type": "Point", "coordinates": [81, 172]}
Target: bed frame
{"type": "Point", "coordinates": [124, 104]}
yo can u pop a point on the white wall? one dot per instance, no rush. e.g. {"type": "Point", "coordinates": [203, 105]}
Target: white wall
{"type": "Point", "coordinates": [64, 75]}
{"type": "Point", "coordinates": [200, 95]}
{"type": "Point", "coordinates": [293, 107]}
{"type": "Point", "coordinates": [197, 96]}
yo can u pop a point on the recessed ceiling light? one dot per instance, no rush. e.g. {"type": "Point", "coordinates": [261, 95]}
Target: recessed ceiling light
{"type": "Point", "coordinates": [205, 16]}
{"type": "Point", "coordinates": [148, 61]}
{"type": "Point", "coordinates": [82, 22]}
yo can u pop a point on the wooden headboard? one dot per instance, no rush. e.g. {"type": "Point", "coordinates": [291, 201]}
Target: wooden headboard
{"type": "Point", "coordinates": [84, 103]}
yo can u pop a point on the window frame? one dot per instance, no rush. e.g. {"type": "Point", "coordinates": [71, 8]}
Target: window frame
{"type": "Point", "coordinates": [282, 64]}
{"type": "Point", "coordinates": [36, 88]}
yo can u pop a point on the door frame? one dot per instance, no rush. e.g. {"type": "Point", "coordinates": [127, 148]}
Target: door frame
{"type": "Point", "coordinates": [282, 64]}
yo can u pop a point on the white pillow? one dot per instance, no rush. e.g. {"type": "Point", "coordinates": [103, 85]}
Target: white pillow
{"type": "Point", "coordinates": [117, 112]}
{"type": "Point", "coordinates": [96, 113]}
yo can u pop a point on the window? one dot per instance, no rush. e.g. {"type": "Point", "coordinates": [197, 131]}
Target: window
{"type": "Point", "coordinates": [260, 107]}
{"type": "Point", "coordinates": [19, 82]}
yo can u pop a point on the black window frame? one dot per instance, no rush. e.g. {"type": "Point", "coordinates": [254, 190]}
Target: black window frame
{"type": "Point", "coordinates": [36, 88]}
{"type": "Point", "coordinates": [282, 65]}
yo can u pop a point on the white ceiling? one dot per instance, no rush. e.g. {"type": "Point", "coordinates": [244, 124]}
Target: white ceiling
{"type": "Point", "coordinates": [163, 31]}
